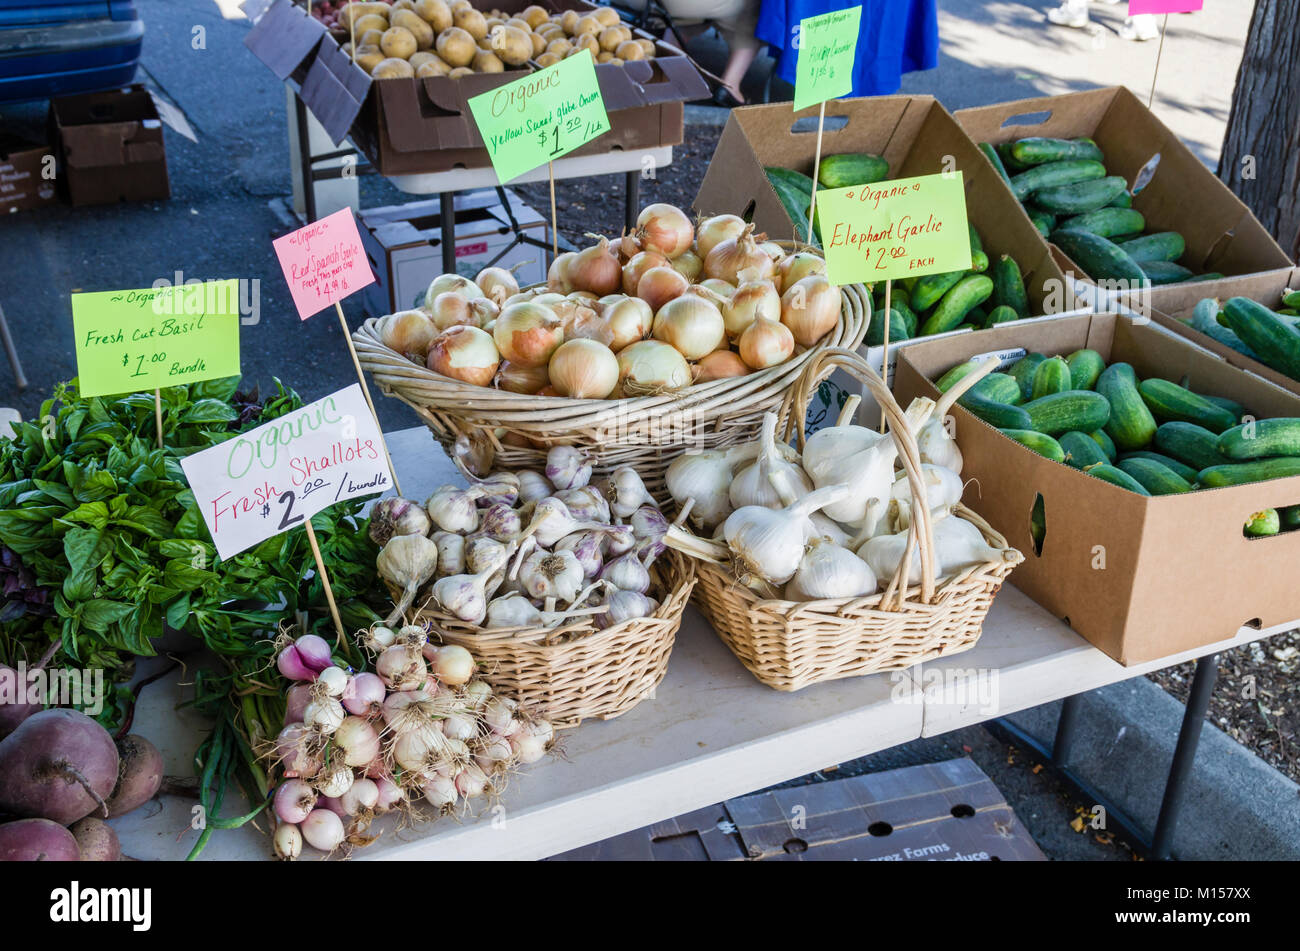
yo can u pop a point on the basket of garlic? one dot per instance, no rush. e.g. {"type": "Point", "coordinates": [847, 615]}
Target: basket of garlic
{"type": "Point", "coordinates": [828, 562]}
{"type": "Point", "coordinates": [671, 339]}
{"type": "Point", "coordinates": [564, 591]}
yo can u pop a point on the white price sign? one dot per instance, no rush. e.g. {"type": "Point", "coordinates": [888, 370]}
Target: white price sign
{"type": "Point", "coordinates": [273, 478]}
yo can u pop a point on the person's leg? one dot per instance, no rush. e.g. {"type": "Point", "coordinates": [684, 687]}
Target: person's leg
{"type": "Point", "coordinates": [1072, 13]}
{"type": "Point", "coordinates": [737, 25]}
{"type": "Point", "coordinates": [1141, 27]}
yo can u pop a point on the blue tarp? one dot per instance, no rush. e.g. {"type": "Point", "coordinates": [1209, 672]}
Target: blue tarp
{"type": "Point", "coordinates": [898, 36]}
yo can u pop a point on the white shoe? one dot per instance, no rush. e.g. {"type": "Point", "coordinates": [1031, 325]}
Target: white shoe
{"type": "Point", "coordinates": [1071, 13]}
{"type": "Point", "coordinates": [1140, 28]}
{"type": "Point", "coordinates": [1111, 2]}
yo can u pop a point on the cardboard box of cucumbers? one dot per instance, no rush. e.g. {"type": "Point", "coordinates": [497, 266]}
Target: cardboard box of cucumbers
{"type": "Point", "coordinates": [1142, 476]}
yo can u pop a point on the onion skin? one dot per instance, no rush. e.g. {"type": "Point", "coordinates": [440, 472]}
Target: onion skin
{"type": "Point", "coordinates": [584, 369]}
{"type": "Point", "coordinates": [465, 353]}
{"type": "Point", "coordinates": [659, 285]}
{"type": "Point", "coordinates": [409, 332]}
{"type": "Point", "coordinates": [752, 299]}
{"type": "Point", "coordinates": [691, 324]}
{"type": "Point", "coordinates": [557, 275]}
{"type": "Point", "coordinates": [799, 265]}
{"type": "Point", "coordinates": [728, 258]}
{"type": "Point", "coordinates": [637, 265]}
{"type": "Point", "coordinates": [450, 309]}
{"type": "Point", "coordinates": [811, 308]}
{"type": "Point", "coordinates": [527, 334]}
{"type": "Point", "coordinates": [629, 320]}
{"type": "Point", "coordinates": [716, 229]}
{"type": "Point", "coordinates": [765, 343]}
{"type": "Point", "coordinates": [719, 365]}
{"type": "Point", "coordinates": [688, 264]}
{"type": "Point", "coordinates": [515, 379]}
{"type": "Point", "coordinates": [665, 228]}
{"type": "Point", "coordinates": [595, 269]}
{"type": "Point", "coordinates": [497, 283]}
{"type": "Point", "coordinates": [651, 366]}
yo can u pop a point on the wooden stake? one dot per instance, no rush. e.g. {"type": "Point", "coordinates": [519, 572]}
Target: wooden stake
{"type": "Point", "coordinates": [884, 361]}
{"type": "Point", "coordinates": [157, 413]}
{"type": "Point", "coordinates": [555, 222]}
{"type": "Point", "coordinates": [817, 161]}
{"type": "Point", "coordinates": [325, 580]}
{"type": "Point", "coordinates": [1163, 26]}
{"type": "Point", "coordinates": [352, 29]}
{"type": "Point", "coordinates": [347, 335]}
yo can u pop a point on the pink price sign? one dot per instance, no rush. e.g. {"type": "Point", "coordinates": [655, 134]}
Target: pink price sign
{"type": "Point", "coordinates": [323, 262]}
{"type": "Point", "coordinates": [1137, 7]}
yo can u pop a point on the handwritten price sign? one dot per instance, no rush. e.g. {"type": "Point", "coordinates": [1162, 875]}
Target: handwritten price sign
{"type": "Point", "coordinates": [275, 477]}
{"type": "Point", "coordinates": [901, 228]}
{"type": "Point", "coordinates": [827, 47]}
{"type": "Point", "coordinates": [541, 117]}
{"type": "Point", "coordinates": [134, 340]}
{"type": "Point", "coordinates": [323, 262]}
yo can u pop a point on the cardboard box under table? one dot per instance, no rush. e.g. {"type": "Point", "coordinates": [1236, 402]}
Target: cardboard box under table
{"type": "Point", "coordinates": [1177, 304]}
{"type": "Point", "coordinates": [112, 146]}
{"type": "Point", "coordinates": [420, 126]}
{"type": "Point", "coordinates": [1182, 195]}
{"type": "Point", "coordinates": [1139, 577]}
{"type": "Point", "coordinates": [23, 182]}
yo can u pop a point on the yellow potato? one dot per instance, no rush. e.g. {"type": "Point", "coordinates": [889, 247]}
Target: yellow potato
{"type": "Point", "coordinates": [607, 16]}
{"type": "Point", "coordinates": [368, 57]}
{"type": "Point", "coordinates": [398, 42]}
{"type": "Point", "coordinates": [647, 46]}
{"type": "Point", "coordinates": [550, 30]}
{"type": "Point", "coordinates": [471, 21]}
{"type": "Point", "coordinates": [460, 71]}
{"type": "Point", "coordinates": [346, 48]}
{"type": "Point", "coordinates": [539, 43]}
{"type": "Point", "coordinates": [569, 21]}
{"type": "Point", "coordinates": [629, 50]}
{"type": "Point", "coordinates": [548, 59]}
{"type": "Point", "coordinates": [358, 11]}
{"type": "Point", "coordinates": [432, 67]}
{"type": "Point", "coordinates": [604, 56]}
{"type": "Point", "coordinates": [419, 59]}
{"type": "Point", "coordinates": [486, 61]}
{"type": "Point", "coordinates": [434, 12]}
{"type": "Point", "coordinates": [587, 24]}
{"type": "Point", "coordinates": [586, 41]}
{"type": "Point", "coordinates": [460, 5]}
{"type": "Point", "coordinates": [393, 68]}
{"type": "Point", "coordinates": [519, 24]}
{"type": "Point", "coordinates": [559, 47]}
{"type": "Point", "coordinates": [402, 5]}
{"type": "Point", "coordinates": [371, 22]}
{"type": "Point", "coordinates": [611, 36]}
{"type": "Point", "coordinates": [485, 43]}
{"type": "Point", "coordinates": [512, 45]}
{"type": "Point", "coordinates": [535, 15]}
{"type": "Point", "coordinates": [370, 37]}
{"type": "Point", "coordinates": [456, 47]}
{"type": "Point", "coordinates": [414, 24]}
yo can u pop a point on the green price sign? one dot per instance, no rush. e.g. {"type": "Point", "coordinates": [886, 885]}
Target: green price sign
{"type": "Point", "coordinates": [129, 341]}
{"type": "Point", "coordinates": [827, 45]}
{"type": "Point", "coordinates": [541, 117]}
{"type": "Point", "coordinates": [901, 228]}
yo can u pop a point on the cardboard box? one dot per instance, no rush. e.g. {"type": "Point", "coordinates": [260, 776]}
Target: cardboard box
{"type": "Point", "coordinates": [1176, 308]}
{"type": "Point", "coordinates": [420, 126]}
{"type": "Point", "coordinates": [112, 147]}
{"type": "Point", "coordinates": [1140, 577]}
{"type": "Point", "coordinates": [934, 812]}
{"type": "Point", "coordinates": [404, 246]}
{"type": "Point", "coordinates": [24, 180]}
{"type": "Point", "coordinates": [1182, 194]}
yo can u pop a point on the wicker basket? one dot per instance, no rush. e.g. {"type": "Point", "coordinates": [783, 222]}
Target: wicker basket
{"type": "Point", "coordinates": [576, 672]}
{"type": "Point", "coordinates": [789, 645]}
{"type": "Point", "coordinates": [645, 432]}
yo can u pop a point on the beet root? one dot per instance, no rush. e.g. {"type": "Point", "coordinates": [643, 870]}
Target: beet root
{"type": "Point", "coordinates": [59, 765]}
{"type": "Point", "coordinates": [96, 840]}
{"type": "Point", "coordinates": [37, 840]}
{"type": "Point", "coordinates": [139, 774]}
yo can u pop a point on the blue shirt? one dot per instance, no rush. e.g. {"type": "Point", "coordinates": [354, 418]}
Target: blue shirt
{"type": "Point", "coordinates": [897, 36]}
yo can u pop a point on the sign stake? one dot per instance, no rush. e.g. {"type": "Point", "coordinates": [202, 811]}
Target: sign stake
{"type": "Point", "coordinates": [817, 161]}
{"type": "Point", "coordinates": [1164, 24]}
{"type": "Point", "coordinates": [555, 224]}
{"type": "Point", "coordinates": [157, 413]}
{"type": "Point", "coordinates": [884, 360]}
{"type": "Point", "coordinates": [365, 389]}
{"type": "Point", "coordinates": [325, 579]}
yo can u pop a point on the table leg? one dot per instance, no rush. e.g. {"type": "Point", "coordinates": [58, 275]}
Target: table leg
{"type": "Point", "coordinates": [633, 200]}
{"type": "Point", "coordinates": [1063, 745]}
{"type": "Point", "coordinates": [447, 215]}
{"type": "Point", "coordinates": [1180, 769]}
{"type": "Point", "coordinates": [20, 379]}
{"type": "Point", "coordinates": [305, 163]}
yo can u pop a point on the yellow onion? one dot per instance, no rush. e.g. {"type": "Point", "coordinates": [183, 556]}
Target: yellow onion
{"type": "Point", "coordinates": [452, 282]}
{"type": "Point", "coordinates": [649, 366]}
{"type": "Point", "coordinates": [595, 269]}
{"type": "Point", "coordinates": [721, 288]}
{"type": "Point", "coordinates": [497, 284]}
{"type": "Point", "coordinates": [664, 228]}
{"type": "Point", "coordinates": [527, 334]}
{"type": "Point", "coordinates": [483, 311]}
{"type": "Point", "coordinates": [583, 323]}
{"type": "Point", "coordinates": [583, 370]}
{"type": "Point", "coordinates": [732, 255]}
{"type": "Point", "coordinates": [549, 298]}
{"type": "Point", "coordinates": [515, 379]}
{"type": "Point", "coordinates": [718, 365]}
{"type": "Point", "coordinates": [811, 308]}
{"type": "Point", "coordinates": [409, 332]}
{"type": "Point", "coordinates": [765, 343]}
{"type": "Point", "coordinates": [637, 265]}
{"type": "Point", "coordinates": [691, 324]}
{"type": "Point", "coordinates": [715, 229]}
{"type": "Point", "coordinates": [557, 275]}
{"type": "Point", "coordinates": [772, 250]}
{"type": "Point", "coordinates": [659, 285]}
{"type": "Point", "coordinates": [688, 264]}
{"type": "Point", "coordinates": [798, 266]}
{"type": "Point", "coordinates": [629, 320]}
{"type": "Point", "coordinates": [751, 299]}
{"type": "Point", "coordinates": [465, 353]}
{"type": "Point", "coordinates": [628, 247]}
{"type": "Point", "coordinates": [450, 309]}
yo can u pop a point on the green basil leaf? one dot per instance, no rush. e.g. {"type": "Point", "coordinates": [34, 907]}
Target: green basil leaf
{"type": "Point", "coordinates": [96, 487]}
{"type": "Point", "coordinates": [91, 513]}
{"type": "Point", "coordinates": [97, 613]}
{"type": "Point", "coordinates": [181, 574]}
{"type": "Point", "coordinates": [178, 612]}
{"type": "Point", "coordinates": [207, 411]}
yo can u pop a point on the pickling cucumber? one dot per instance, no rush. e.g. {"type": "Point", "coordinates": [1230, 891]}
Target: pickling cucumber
{"type": "Point", "coordinates": [1165, 272]}
{"type": "Point", "coordinates": [1261, 439]}
{"type": "Point", "coordinates": [998, 415]}
{"type": "Point", "coordinates": [1080, 197]}
{"type": "Point", "coordinates": [1240, 473]}
{"type": "Point", "coordinates": [1023, 370]}
{"type": "Point", "coordinates": [1040, 443]}
{"type": "Point", "coordinates": [968, 292]}
{"type": "Point", "coordinates": [1131, 424]}
{"type": "Point", "coordinates": [1263, 523]}
{"type": "Point", "coordinates": [1052, 376]}
{"type": "Point", "coordinates": [1037, 150]}
{"type": "Point", "coordinates": [1000, 315]}
{"type": "Point", "coordinates": [1100, 258]}
{"type": "Point", "coordinates": [1191, 445]}
{"type": "Point", "coordinates": [1081, 450]}
{"type": "Point", "coordinates": [851, 168]}
{"type": "Point", "coordinates": [1179, 469]}
{"type": "Point", "coordinates": [1056, 174]}
{"type": "Point", "coordinates": [1009, 285]}
{"type": "Point", "coordinates": [995, 160]}
{"type": "Point", "coordinates": [1160, 246]}
{"type": "Point", "coordinates": [1169, 401]}
{"type": "Point", "coordinates": [1057, 413]}
{"type": "Point", "coordinates": [1154, 477]}
{"type": "Point", "coordinates": [1275, 341]}
{"type": "Point", "coordinates": [1116, 476]}
{"type": "Point", "coordinates": [1085, 367]}
{"type": "Point", "coordinates": [928, 290]}
{"type": "Point", "coordinates": [1107, 222]}
{"type": "Point", "coordinates": [1107, 444]}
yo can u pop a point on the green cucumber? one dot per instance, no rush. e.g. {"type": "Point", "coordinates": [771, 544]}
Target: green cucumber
{"type": "Point", "coordinates": [1155, 478]}
{"type": "Point", "coordinates": [1291, 299]}
{"type": "Point", "coordinates": [1100, 258]}
{"type": "Point", "coordinates": [1107, 444]}
{"type": "Point", "coordinates": [1023, 370]}
{"type": "Point", "coordinates": [1165, 272]}
{"type": "Point", "coordinates": [1057, 413]}
{"type": "Point", "coordinates": [1191, 445]}
{"type": "Point", "coordinates": [1040, 443]}
{"type": "Point", "coordinates": [1261, 439]}
{"type": "Point", "coordinates": [1107, 222]}
{"type": "Point", "coordinates": [1275, 341]}
{"type": "Point", "coordinates": [851, 168]}
{"type": "Point", "coordinates": [976, 317]}
{"type": "Point", "coordinates": [1080, 197]}
{"type": "Point", "coordinates": [999, 387]}
{"type": "Point", "coordinates": [1042, 221]}
{"type": "Point", "coordinates": [975, 243]}
{"type": "Point", "coordinates": [929, 289]}
{"type": "Point", "coordinates": [1290, 517]}
{"type": "Point", "coordinates": [1169, 401]}
{"type": "Point", "coordinates": [1008, 159]}
{"type": "Point", "coordinates": [952, 309]}
{"type": "Point", "coordinates": [954, 376]}
{"type": "Point", "coordinates": [979, 262]}
{"type": "Point", "coordinates": [1115, 476]}
{"type": "Point", "coordinates": [1036, 150]}
{"type": "Point", "coordinates": [1085, 367]}
{"type": "Point", "coordinates": [902, 325]}
{"type": "Point", "coordinates": [1055, 175]}
{"type": "Point", "coordinates": [1081, 450]}
{"type": "Point", "coordinates": [995, 160]}
{"type": "Point", "coordinates": [1131, 424]}
{"type": "Point", "coordinates": [1205, 319]}
{"type": "Point", "coordinates": [997, 415]}
{"type": "Point", "coordinates": [1123, 200]}
{"type": "Point", "coordinates": [1000, 315]}
{"type": "Point", "coordinates": [1009, 285]}
{"type": "Point", "coordinates": [1185, 472]}
{"type": "Point", "coordinates": [1239, 473]}
{"type": "Point", "coordinates": [1160, 246]}
{"type": "Point", "coordinates": [795, 196]}
{"type": "Point", "coordinates": [1238, 411]}
{"type": "Point", "coordinates": [1052, 376]}
{"type": "Point", "coordinates": [1263, 523]}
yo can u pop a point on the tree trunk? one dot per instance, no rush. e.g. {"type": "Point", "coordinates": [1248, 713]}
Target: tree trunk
{"type": "Point", "coordinates": [1261, 148]}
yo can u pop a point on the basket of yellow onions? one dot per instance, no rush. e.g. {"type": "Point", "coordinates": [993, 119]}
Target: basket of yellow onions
{"type": "Point", "coordinates": [675, 338]}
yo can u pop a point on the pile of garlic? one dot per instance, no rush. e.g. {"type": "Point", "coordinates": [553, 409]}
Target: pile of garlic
{"type": "Point", "coordinates": [526, 549]}
{"type": "Point", "coordinates": [834, 523]}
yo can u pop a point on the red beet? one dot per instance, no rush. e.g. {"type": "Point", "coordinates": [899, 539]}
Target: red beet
{"type": "Point", "coordinates": [37, 840]}
{"type": "Point", "coordinates": [139, 774]}
{"type": "Point", "coordinates": [60, 765]}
